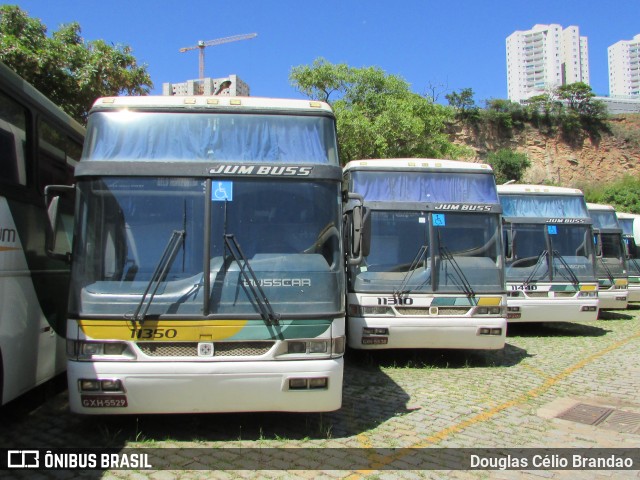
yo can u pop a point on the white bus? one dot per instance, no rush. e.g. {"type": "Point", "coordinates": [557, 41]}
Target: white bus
{"type": "Point", "coordinates": [39, 146]}
{"type": "Point", "coordinates": [611, 261]}
{"type": "Point", "coordinates": [630, 224]}
{"type": "Point", "coordinates": [208, 271]}
{"type": "Point", "coordinates": [432, 268]}
{"type": "Point", "coordinates": [550, 256]}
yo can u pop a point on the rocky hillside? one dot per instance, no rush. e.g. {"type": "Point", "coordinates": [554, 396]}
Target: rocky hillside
{"type": "Point", "coordinates": [554, 160]}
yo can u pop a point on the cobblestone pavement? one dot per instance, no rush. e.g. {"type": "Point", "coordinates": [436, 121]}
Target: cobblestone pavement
{"type": "Point", "coordinates": [392, 400]}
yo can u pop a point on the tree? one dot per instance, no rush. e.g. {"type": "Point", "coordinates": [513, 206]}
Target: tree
{"type": "Point", "coordinates": [508, 165]}
{"type": "Point", "coordinates": [577, 95]}
{"type": "Point", "coordinates": [464, 104]}
{"type": "Point", "coordinates": [378, 116]}
{"type": "Point", "coordinates": [65, 68]}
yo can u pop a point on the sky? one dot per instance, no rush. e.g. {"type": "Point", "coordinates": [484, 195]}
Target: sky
{"type": "Point", "coordinates": [437, 46]}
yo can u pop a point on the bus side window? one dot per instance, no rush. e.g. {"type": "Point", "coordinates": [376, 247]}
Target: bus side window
{"type": "Point", "coordinates": [13, 120]}
{"type": "Point", "coordinates": [53, 167]}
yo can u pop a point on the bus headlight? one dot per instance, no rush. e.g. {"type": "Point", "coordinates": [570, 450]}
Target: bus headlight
{"type": "Point", "coordinates": [317, 348]}
{"type": "Point", "coordinates": [363, 311]}
{"type": "Point", "coordinates": [488, 311]}
{"type": "Point", "coordinates": [86, 350]}
{"type": "Point", "coordinates": [588, 294]}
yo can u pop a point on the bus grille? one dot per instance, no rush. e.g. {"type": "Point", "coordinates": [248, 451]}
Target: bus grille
{"type": "Point", "coordinates": [428, 311]}
{"type": "Point", "coordinates": [190, 349]}
{"type": "Point", "coordinates": [565, 294]}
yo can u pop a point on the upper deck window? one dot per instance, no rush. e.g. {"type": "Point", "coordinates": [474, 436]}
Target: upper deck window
{"type": "Point", "coordinates": [210, 137]}
{"type": "Point", "coordinates": [552, 206]}
{"type": "Point", "coordinates": [418, 186]}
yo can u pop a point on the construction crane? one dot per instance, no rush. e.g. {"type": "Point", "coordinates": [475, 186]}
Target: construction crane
{"type": "Point", "coordinates": [218, 41]}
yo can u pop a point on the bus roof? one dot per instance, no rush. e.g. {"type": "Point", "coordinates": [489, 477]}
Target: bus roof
{"type": "Point", "coordinates": [537, 190]}
{"type": "Point", "coordinates": [627, 215]}
{"type": "Point", "coordinates": [597, 206]}
{"type": "Point", "coordinates": [28, 93]}
{"type": "Point", "coordinates": [419, 163]}
{"type": "Point", "coordinates": [195, 102]}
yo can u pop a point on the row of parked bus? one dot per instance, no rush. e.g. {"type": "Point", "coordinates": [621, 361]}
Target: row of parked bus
{"type": "Point", "coordinates": [216, 257]}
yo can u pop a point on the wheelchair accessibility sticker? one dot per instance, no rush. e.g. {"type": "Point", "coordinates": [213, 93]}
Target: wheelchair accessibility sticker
{"type": "Point", "coordinates": [438, 220]}
{"type": "Point", "coordinates": [222, 191]}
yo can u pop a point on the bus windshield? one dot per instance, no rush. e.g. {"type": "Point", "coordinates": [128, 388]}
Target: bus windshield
{"type": "Point", "coordinates": [288, 232]}
{"type": "Point", "coordinates": [210, 137]}
{"type": "Point", "coordinates": [530, 246]}
{"type": "Point", "coordinates": [613, 259]}
{"type": "Point", "coordinates": [460, 252]}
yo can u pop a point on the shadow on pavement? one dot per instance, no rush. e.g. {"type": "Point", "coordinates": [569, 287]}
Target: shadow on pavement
{"type": "Point", "coordinates": [615, 314]}
{"type": "Point", "coordinates": [555, 329]}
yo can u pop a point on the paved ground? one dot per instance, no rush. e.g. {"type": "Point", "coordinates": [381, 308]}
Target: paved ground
{"type": "Point", "coordinates": [405, 401]}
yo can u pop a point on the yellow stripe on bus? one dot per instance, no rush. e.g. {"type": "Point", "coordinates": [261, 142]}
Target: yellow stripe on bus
{"type": "Point", "coordinates": [489, 301]}
{"type": "Point", "coordinates": [161, 330]}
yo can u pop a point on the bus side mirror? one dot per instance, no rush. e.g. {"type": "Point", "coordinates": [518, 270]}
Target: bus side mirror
{"type": "Point", "coordinates": [55, 196]}
{"type": "Point", "coordinates": [359, 230]}
{"type": "Point", "coordinates": [597, 242]}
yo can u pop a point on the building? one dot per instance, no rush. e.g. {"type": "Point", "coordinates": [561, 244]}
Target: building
{"type": "Point", "coordinates": [544, 58]}
{"type": "Point", "coordinates": [230, 86]}
{"type": "Point", "coordinates": [624, 68]}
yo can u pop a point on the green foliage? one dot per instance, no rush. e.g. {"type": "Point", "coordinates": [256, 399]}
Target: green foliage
{"type": "Point", "coordinates": [464, 104]}
{"type": "Point", "coordinates": [378, 116]}
{"type": "Point", "coordinates": [623, 194]}
{"type": "Point", "coordinates": [65, 68]}
{"type": "Point", "coordinates": [628, 132]}
{"type": "Point", "coordinates": [569, 110]}
{"type": "Point", "coordinates": [508, 165]}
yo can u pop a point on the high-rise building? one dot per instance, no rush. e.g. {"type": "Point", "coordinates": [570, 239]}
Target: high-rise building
{"type": "Point", "coordinates": [230, 86]}
{"type": "Point", "coordinates": [624, 68]}
{"type": "Point", "coordinates": [543, 58]}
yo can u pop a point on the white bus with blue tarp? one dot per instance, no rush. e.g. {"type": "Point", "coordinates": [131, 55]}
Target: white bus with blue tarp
{"type": "Point", "coordinates": [208, 271]}
{"type": "Point", "coordinates": [431, 273]}
{"type": "Point", "coordinates": [630, 224]}
{"type": "Point", "coordinates": [550, 256]}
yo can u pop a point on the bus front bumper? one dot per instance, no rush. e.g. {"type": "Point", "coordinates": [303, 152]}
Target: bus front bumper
{"type": "Point", "coordinates": [555, 310]}
{"type": "Point", "coordinates": [369, 333]}
{"type": "Point", "coordinates": [212, 387]}
{"type": "Point", "coordinates": [613, 299]}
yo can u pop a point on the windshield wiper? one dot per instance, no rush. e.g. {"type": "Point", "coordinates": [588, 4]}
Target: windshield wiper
{"type": "Point", "coordinates": [607, 271]}
{"type": "Point", "coordinates": [251, 281]}
{"type": "Point", "coordinates": [572, 275]}
{"type": "Point", "coordinates": [464, 281]}
{"type": "Point", "coordinates": [159, 274]}
{"type": "Point", "coordinates": [420, 255]}
{"type": "Point", "coordinates": [542, 256]}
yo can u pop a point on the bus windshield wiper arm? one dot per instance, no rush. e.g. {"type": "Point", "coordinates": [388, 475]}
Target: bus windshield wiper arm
{"type": "Point", "coordinates": [464, 281]}
{"type": "Point", "coordinates": [542, 256]}
{"type": "Point", "coordinates": [159, 275]}
{"type": "Point", "coordinates": [572, 275]}
{"type": "Point", "coordinates": [251, 281]}
{"type": "Point", "coordinates": [422, 252]}
{"type": "Point", "coordinates": [607, 270]}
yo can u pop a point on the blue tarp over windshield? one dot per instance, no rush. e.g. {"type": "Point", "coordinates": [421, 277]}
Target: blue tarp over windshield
{"type": "Point", "coordinates": [604, 219]}
{"type": "Point", "coordinates": [627, 225]}
{"type": "Point", "coordinates": [210, 137]}
{"type": "Point", "coordinates": [392, 186]}
{"type": "Point", "coordinates": [560, 206]}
